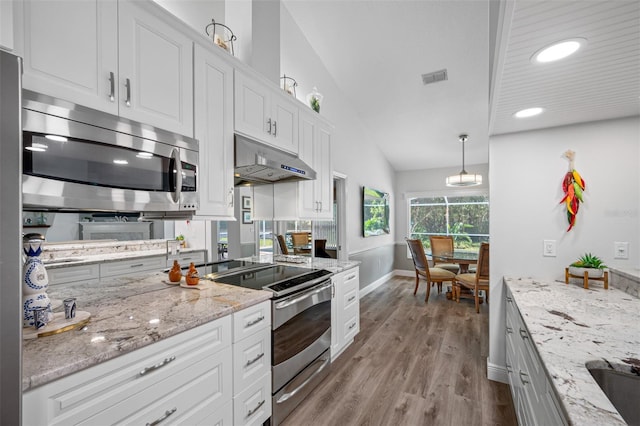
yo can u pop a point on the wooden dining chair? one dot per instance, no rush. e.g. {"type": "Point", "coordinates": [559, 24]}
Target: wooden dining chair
{"type": "Point", "coordinates": [319, 248]}
{"type": "Point", "coordinates": [476, 281]}
{"type": "Point", "coordinates": [431, 275]}
{"type": "Point", "coordinates": [283, 245]}
{"type": "Point", "coordinates": [442, 244]}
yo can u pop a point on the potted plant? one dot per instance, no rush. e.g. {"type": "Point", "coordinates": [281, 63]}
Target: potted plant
{"type": "Point", "coordinates": [593, 265]}
{"type": "Point", "coordinates": [183, 243]}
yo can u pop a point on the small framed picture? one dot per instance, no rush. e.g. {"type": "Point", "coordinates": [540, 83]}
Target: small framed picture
{"type": "Point", "coordinates": [246, 203]}
{"type": "Point", "coordinates": [246, 217]}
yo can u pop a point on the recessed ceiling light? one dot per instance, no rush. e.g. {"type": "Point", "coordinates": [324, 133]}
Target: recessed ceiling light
{"type": "Point", "coordinates": [529, 112]}
{"type": "Point", "coordinates": [558, 50]}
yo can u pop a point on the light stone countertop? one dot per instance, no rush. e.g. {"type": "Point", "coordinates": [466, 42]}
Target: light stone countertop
{"type": "Point", "coordinates": [571, 326]}
{"type": "Point", "coordinates": [126, 314]}
{"type": "Point", "coordinates": [333, 265]}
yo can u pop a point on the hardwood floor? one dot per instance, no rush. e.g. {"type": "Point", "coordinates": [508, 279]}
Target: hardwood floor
{"type": "Point", "coordinates": [411, 364]}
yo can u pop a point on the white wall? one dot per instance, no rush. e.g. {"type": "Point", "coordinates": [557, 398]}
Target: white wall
{"type": "Point", "coordinates": [353, 151]}
{"type": "Point", "coordinates": [526, 175]}
{"type": "Point", "coordinates": [196, 13]}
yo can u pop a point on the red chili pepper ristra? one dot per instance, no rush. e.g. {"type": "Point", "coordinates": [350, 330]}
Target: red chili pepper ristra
{"type": "Point", "coordinates": [572, 185]}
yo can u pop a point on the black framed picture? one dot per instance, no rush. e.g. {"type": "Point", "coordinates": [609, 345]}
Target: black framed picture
{"type": "Point", "coordinates": [246, 217]}
{"type": "Point", "coordinates": [246, 203]}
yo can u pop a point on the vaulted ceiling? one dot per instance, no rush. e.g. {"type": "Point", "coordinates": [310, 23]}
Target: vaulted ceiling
{"type": "Point", "coordinates": [376, 51]}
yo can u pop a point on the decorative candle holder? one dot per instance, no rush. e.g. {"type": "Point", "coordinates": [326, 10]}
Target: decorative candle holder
{"type": "Point", "coordinates": [289, 85]}
{"type": "Point", "coordinates": [221, 35]}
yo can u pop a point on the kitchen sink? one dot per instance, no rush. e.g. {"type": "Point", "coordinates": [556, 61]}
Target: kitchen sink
{"type": "Point", "coordinates": [622, 389]}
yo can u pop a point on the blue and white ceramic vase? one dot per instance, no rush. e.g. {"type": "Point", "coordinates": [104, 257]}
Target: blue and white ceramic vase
{"type": "Point", "coordinates": [35, 280]}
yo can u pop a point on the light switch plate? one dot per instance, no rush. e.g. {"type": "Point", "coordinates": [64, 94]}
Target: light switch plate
{"type": "Point", "coordinates": [621, 250]}
{"type": "Point", "coordinates": [549, 248]}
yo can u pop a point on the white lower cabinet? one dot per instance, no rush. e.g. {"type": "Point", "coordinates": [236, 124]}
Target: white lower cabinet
{"type": "Point", "coordinates": [533, 396]}
{"type": "Point", "coordinates": [173, 378]}
{"type": "Point", "coordinates": [252, 365]}
{"type": "Point", "coordinates": [133, 266]}
{"type": "Point", "coordinates": [345, 310]}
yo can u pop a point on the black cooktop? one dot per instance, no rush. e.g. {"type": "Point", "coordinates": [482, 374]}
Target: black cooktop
{"type": "Point", "coordinates": [280, 279]}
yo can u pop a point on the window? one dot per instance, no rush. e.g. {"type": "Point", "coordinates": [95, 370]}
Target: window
{"type": "Point", "coordinates": [466, 218]}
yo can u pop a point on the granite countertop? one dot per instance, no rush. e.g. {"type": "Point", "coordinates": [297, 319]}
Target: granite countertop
{"type": "Point", "coordinates": [126, 314]}
{"type": "Point", "coordinates": [572, 326]}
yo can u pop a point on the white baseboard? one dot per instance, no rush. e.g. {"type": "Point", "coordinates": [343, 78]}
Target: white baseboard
{"type": "Point", "coordinates": [497, 373]}
{"type": "Point", "coordinates": [377, 283]}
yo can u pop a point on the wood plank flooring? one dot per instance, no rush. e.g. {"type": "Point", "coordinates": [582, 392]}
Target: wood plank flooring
{"type": "Point", "coordinates": [411, 364]}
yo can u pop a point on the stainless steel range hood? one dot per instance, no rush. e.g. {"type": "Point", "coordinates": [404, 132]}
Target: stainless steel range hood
{"type": "Point", "coordinates": [256, 163]}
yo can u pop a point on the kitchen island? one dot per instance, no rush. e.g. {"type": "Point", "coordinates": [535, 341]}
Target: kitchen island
{"type": "Point", "coordinates": [127, 313]}
{"type": "Point", "coordinates": [570, 327]}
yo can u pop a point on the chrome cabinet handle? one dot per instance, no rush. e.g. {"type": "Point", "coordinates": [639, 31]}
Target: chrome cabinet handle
{"type": "Point", "coordinates": [112, 84]}
{"type": "Point", "coordinates": [269, 123]}
{"type": "Point", "coordinates": [351, 299]}
{"type": "Point", "coordinates": [522, 379]}
{"type": "Point", "coordinates": [509, 299]}
{"type": "Point", "coordinates": [275, 128]}
{"type": "Point", "coordinates": [254, 322]}
{"type": "Point", "coordinates": [231, 197]}
{"type": "Point", "coordinates": [509, 370]}
{"type": "Point", "coordinates": [159, 365]}
{"type": "Point", "coordinates": [352, 325]}
{"type": "Point", "coordinates": [509, 330]}
{"type": "Point", "coordinates": [253, 361]}
{"type": "Point", "coordinates": [251, 412]}
{"type": "Point", "coordinates": [164, 417]}
{"type": "Point", "coordinates": [137, 265]}
{"type": "Point", "coordinates": [523, 334]}
{"type": "Point", "coordinates": [333, 290]}
{"type": "Point", "coordinates": [350, 277]}
{"type": "Point", "coordinates": [127, 84]}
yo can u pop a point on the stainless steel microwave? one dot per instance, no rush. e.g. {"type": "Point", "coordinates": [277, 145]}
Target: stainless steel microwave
{"type": "Point", "coordinates": [78, 159]}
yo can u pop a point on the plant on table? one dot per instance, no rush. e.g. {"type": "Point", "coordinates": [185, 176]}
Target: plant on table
{"type": "Point", "coordinates": [588, 261]}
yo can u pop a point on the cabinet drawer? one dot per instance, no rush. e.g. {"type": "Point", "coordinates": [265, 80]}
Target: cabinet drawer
{"type": "Point", "coordinates": [206, 415]}
{"type": "Point", "coordinates": [352, 276]}
{"type": "Point", "coordinates": [351, 297]}
{"type": "Point", "coordinates": [185, 258]}
{"type": "Point", "coordinates": [127, 267]}
{"type": "Point", "coordinates": [351, 324]}
{"type": "Point", "coordinates": [250, 320]}
{"type": "Point", "coordinates": [253, 405]}
{"type": "Point", "coordinates": [167, 364]}
{"type": "Point", "coordinates": [205, 382]}
{"type": "Point", "coordinates": [251, 359]}
{"type": "Point", "coordinates": [87, 273]}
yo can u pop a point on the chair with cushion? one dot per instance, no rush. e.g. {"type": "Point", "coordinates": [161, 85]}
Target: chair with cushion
{"type": "Point", "coordinates": [283, 245]}
{"type": "Point", "coordinates": [476, 281]}
{"type": "Point", "coordinates": [432, 275]}
{"type": "Point", "coordinates": [442, 244]}
{"type": "Point", "coordinates": [300, 241]}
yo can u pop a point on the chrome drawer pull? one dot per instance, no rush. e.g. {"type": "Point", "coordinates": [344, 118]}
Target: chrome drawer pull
{"type": "Point", "coordinates": [275, 128]}
{"type": "Point", "coordinates": [252, 412]}
{"type": "Point", "coordinates": [523, 334]}
{"type": "Point", "coordinates": [288, 395]}
{"type": "Point", "coordinates": [509, 370]}
{"type": "Point", "coordinates": [127, 84]}
{"type": "Point", "coordinates": [350, 277]}
{"type": "Point", "coordinates": [254, 360]}
{"type": "Point", "coordinates": [509, 330]}
{"type": "Point", "coordinates": [137, 265]}
{"type": "Point", "coordinates": [254, 322]}
{"type": "Point", "coordinates": [352, 325]}
{"type": "Point", "coordinates": [351, 299]}
{"type": "Point", "coordinates": [524, 382]}
{"type": "Point", "coordinates": [163, 418]}
{"type": "Point", "coordinates": [112, 84]}
{"type": "Point", "coordinates": [269, 123]}
{"type": "Point", "coordinates": [159, 365]}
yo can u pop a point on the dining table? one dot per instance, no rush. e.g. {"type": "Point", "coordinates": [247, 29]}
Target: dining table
{"type": "Point", "coordinates": [461, 257]}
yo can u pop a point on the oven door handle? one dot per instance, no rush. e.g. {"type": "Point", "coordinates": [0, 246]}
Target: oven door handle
{"type": "Point", "coordinates": [288, 395]}
{"type": "Point", "coordinates": [288, 302]}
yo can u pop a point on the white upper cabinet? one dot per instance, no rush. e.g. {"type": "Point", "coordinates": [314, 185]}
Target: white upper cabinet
{"type": "Point", "coordinates": [118, 57]}
{"type": "Point", "coordinates": [264, 114]}
{"type": "Point", "coordinates": [156, 82]}
{"type": "Point", "coordinates": [70, 51]}
{"type": "Point", "coordinates": [316, 197]}
{"type": "Point", "coordinates": [6, 25]}
{"type": "Point", "coordinates": [214, 129]}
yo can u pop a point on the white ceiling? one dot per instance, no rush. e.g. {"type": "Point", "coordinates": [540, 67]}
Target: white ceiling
{"type": "Point", "coordinates": [377, 50]}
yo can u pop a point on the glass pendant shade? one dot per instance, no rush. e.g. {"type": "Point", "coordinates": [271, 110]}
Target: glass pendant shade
{"type": "Point", "coordinates": [463, 178]}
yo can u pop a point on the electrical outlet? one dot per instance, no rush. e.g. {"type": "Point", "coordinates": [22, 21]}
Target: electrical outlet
{"type": "Point", "coordinates": [621, 250]}
{"type": "Point", "coordinates": [549, 248]}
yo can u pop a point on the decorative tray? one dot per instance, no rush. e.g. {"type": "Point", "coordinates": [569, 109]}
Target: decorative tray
{"type": "Point", "coordinates": [58, 325]}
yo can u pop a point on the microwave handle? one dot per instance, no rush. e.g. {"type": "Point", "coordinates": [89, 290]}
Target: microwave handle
{"type": "Point", "coordinates": [177, 166]}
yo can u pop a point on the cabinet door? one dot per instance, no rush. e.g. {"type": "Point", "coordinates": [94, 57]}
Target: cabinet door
{"type": "Point", "coordinates": [70, 51]}
{"type": "Point", "coordinates": [284, 117]}
{"type": "Point", "coordinates": [308, 204]}
{"type": "Point", "coordinates": [252, 108]}
{"type": "Point", "coordinates": [214, 129]}
{"type": "Point", "coordinates": [155, 62]}
{"type": "Point", "coordinates": [6, 25]}
{"type": "Point", "coordinates": [324, 181]}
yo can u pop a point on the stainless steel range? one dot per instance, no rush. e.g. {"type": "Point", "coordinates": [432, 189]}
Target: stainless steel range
{"type": "Point", "coordinates": [301, 327]}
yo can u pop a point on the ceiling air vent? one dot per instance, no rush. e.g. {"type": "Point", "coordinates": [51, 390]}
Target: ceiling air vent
{"type": "Point", "coordinates": [434, 77]}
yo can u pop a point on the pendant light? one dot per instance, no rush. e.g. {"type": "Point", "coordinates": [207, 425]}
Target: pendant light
{"type": "Point", "coordinates": [463, 178]}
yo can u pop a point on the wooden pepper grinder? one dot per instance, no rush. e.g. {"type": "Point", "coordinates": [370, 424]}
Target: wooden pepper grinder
{"type": "Point", "coordinates": [192, 277]}
{"type": "Point", "coordinates": [175, 274]}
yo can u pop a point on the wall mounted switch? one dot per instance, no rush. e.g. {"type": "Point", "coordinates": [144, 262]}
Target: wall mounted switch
{"type": "Point", "coordinates": [549, 248]}
{"type": "Point", "coordinates": [621, 250]}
